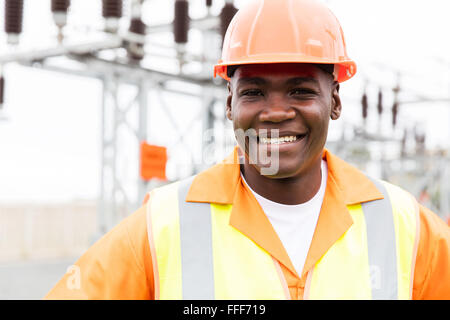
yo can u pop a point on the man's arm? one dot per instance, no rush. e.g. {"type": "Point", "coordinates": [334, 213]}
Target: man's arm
{"type": "Point", "coordinates": [432, 270]}
{"type": "Point", "coordinates": [118, 266]}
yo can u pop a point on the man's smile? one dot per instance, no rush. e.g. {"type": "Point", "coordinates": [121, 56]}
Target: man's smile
{"type": "Point", "coordinates": [280, 138]}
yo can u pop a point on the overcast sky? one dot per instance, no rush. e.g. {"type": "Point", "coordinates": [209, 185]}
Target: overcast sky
{"type": "Point", "coordinates": [49, 146]}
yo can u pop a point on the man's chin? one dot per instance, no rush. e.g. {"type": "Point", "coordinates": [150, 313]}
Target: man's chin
{"type": "Point", "coordinates": [275, 171]}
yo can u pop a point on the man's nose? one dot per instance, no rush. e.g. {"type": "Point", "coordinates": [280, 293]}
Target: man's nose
{"type": "Point", "coordinates": [277, 114]}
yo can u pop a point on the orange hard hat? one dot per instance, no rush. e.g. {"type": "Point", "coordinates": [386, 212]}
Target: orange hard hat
{"type": "Point", "coordinates": [285, 31]}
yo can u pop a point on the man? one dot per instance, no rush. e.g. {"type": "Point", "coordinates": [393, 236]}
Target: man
{"type": "Point", "coordinates": [281, 217]}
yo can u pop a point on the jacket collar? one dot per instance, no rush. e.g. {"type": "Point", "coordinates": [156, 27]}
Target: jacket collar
{"type": "Point", "coordinates": [219, 183]}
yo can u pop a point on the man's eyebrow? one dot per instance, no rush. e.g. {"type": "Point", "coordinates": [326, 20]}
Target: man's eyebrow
{"type": "Point", "coordinates": [300, 80]}
{"type": "Point", "coordinates": [252, 80]}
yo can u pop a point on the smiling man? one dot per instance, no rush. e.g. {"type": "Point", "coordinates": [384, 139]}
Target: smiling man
{"type": "Point", "coordinates": [281, 217]}
{"type": "Point", "coordinates": [293, 102]}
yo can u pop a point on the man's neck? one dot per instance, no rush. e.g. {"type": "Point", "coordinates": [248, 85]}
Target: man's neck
{"type": "Point", "coordinates": [293, 190]}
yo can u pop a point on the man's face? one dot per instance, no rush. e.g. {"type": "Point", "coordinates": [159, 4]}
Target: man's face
{"type": "Point", "coordinates": [294, 100]}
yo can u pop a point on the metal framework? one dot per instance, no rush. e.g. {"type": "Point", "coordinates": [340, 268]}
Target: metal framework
{"type": "Point", "coordinates": [127, 87]}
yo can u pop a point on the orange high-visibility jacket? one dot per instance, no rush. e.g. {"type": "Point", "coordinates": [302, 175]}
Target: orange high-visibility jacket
{"type": "Point", "coordinates": [119, 265]}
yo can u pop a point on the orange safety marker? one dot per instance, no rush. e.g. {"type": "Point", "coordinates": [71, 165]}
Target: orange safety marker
{"type": "Point", "coordinates": [153, 162]}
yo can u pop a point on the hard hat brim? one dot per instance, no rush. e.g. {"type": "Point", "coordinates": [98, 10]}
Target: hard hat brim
{"type": "Point", "coordinates": [344, 69]}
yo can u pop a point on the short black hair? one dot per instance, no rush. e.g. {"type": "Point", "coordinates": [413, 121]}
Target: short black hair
{"type": "Point", "coordinates": [231, 70]}
{"type": "Point", "coordinates": [327, 68]}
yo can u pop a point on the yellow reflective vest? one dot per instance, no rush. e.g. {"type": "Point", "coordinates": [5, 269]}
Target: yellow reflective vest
{"type": "Point", "coordinates": [198, 255]}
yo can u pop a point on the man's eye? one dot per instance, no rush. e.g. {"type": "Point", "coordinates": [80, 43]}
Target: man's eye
{"type": "Point", "coordinates": [302, 91]}
{"type": "Point", "coordinates": [252, 92]}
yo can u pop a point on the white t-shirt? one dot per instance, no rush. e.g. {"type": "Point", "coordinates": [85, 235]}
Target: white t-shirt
{"type": "Point", "coordinates": [295, 224]}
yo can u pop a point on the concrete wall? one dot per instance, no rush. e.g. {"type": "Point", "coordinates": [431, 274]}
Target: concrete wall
{"type": "Point", "coordinates": [51, 231]}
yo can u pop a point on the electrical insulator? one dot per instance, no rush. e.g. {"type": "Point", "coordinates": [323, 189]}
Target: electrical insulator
{"type": "Point", "coordinates": [181, 21]}
{"type": "Point", "coordinates": [13, 20]}
{"type": "Point", "coordinates": [112, 8]}
{"type": "Point", "coordinates": [136, 50]}
{"type": "Point", "coordinates": [227, 13]}
{"type": "Point", "coordinates": [419, 138]}
{"type": "Point", "coordinates": [112, 12]}
{"type": "Point", "coordinates": [2, 91]}
{"type": "Point", "coordinates": [60, 5]}
{"type": "Point", "coordinates": [394, 114]}
{"type": "Point", "coordinates": [403, 142]}
{"type": "Point", "coordinates": [59, 10]}
{"type": "Point", "coordinates": [423, 138]}
{"type": "Point", "coordinates": [209, 6]}
{"type": "Point", "coordinates": [365, 106]}
{"type": "Point", "coordinates": [137, 26]}
{"type": "Point", "coordinates": [380, 102]}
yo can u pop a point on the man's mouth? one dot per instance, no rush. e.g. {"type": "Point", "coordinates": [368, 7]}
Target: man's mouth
{"type": "Point", "coordinates": [280, 140]}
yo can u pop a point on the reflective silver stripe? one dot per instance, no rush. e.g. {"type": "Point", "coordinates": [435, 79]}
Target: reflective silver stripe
{"type": "Point", "coordinates": [381, 245]}
{"type": "Point", "coordinates": [196, 246]}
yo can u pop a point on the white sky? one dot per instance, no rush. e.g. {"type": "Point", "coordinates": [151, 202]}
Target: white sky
{"type": "Point", "coordinates": [50, 146]}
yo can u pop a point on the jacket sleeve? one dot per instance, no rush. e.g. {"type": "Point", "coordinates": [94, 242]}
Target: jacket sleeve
{"type": "Point", "coordinates": [432, 269]}
{"type": "Point", "coordinates": [116, 267]}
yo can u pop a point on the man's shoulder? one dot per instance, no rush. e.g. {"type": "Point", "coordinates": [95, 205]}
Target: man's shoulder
{"type": "Point", "coordinates": [132, 226]}
{"type": "Point", "coordinates": [400, 194]}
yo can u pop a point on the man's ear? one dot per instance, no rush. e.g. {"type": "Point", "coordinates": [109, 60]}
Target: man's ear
{"type": "Point", "coordinates": [336, 106]}
{"type": "Point", "coordinates": [229, 99]}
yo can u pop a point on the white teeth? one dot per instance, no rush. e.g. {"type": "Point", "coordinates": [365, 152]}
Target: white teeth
{"type": "Point", "coordinates": [278, 140]}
